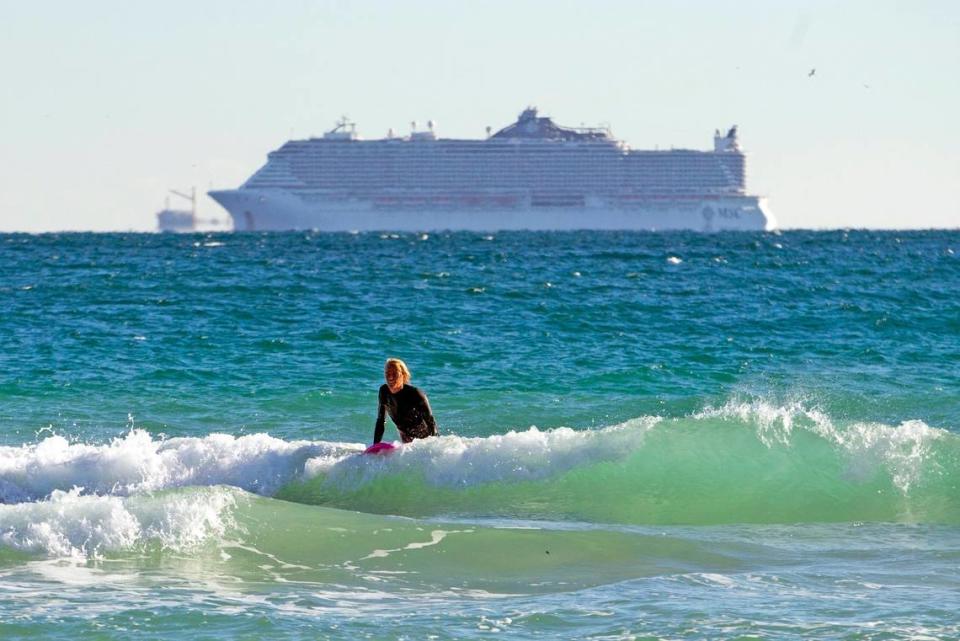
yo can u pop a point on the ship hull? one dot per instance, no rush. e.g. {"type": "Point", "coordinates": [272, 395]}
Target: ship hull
{"type": "Point", "coordinates": [270, 210]}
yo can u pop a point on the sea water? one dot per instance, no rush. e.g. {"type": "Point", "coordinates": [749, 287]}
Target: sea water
{"type": "Point", "coordinates": [676, 436]}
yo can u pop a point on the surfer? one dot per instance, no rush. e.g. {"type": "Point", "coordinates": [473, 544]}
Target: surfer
{"type": "Point", "coordinates": [408, 407]}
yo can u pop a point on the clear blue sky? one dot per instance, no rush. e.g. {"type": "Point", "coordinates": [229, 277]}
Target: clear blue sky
{"type": "Point", "coordinates": [107, 104]}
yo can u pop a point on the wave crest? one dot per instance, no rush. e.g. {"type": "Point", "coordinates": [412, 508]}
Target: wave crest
{"type": "Point", "coordinates": [905, 450]}
{"type": "Point", "coordinates": [136, 462]}
{"type": "Point", "coordinates": [741, 462]}
{"type": "Point", "coordinates": [457, 461]}
{"type": "Point", "coordinates": [69, 524]}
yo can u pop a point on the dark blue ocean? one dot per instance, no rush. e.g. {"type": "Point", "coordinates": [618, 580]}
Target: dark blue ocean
{"type": "Point", "coordinates": [643, 436]}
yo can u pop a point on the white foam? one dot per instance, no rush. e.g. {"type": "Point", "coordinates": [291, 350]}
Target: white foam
{"type": "Point", "coordinates": [774, 423]}
{"type": "Point", "coordinates": [436, 536]}
{"type": "Point", "coordinates": [136, 462]}
{"type": "Point", "coordinates": [456, 461]}
{"type": "Point", "coordinates": [903, 449]}
{"type": "Point", "coordinates": [69, 524]}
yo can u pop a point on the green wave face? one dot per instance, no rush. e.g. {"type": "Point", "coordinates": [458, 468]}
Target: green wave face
{"type": "Point", "coordinates": [249, 549]}
{"type": "Point", "coordinates": [734, 465]}
{"type": "Point", "coordinates": [246, 544]}
{"type": "Point", "coordinates": [289, 542]}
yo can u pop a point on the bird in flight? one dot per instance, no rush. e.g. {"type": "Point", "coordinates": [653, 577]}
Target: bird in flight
{"type": "Point", "coordinates": [812, 71]}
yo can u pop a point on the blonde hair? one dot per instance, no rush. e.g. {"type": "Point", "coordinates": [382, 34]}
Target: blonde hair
{"type": "Point", "coordinates": [398, 365]}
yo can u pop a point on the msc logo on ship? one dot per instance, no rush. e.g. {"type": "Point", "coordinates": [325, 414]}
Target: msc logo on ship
{"type": "Point", "coordinates": [709, 213]}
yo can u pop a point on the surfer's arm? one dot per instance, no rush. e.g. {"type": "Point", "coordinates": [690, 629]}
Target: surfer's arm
{"type": "Point", "coordinates": [381, 417]}
{"type": "Point", "coordinates": [427, 414]}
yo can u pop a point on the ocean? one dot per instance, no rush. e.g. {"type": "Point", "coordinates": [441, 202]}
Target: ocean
{"type": "Point", "coordinates": [642, 436]}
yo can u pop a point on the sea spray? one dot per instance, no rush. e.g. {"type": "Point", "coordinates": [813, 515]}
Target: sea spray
{"type": "Point", "coordinates": [740, 462]}
{"type": "Point", "coordinates": [905, 451]}
{"type": "Point", "coordinates": [735, 464]}
{"type": "Point", "coordinates": [138, 462]}
{"type": "Point", "coordinates": [69, 524]}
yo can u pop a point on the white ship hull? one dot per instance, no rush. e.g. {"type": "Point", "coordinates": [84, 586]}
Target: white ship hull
{"type": "Point", "coordinates": [276, 210]}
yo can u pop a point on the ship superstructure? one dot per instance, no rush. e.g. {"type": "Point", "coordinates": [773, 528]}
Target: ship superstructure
{"type": "Point", "coordinates": [532, 174]}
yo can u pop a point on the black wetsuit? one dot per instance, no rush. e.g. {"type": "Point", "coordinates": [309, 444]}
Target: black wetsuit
{"type": "Point", "coordinates": [410, 411]}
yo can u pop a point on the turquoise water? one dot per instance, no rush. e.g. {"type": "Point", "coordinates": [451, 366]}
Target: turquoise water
{"type": "Point", "coordinates": [672, 436]}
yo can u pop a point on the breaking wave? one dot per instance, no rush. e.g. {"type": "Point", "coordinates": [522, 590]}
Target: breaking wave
{"type": "Point", "coordinates": [70, 524]}
{"type": "Point", "coordinates": [749, 462]}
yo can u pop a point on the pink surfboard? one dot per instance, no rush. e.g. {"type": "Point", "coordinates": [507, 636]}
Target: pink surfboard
{"type": "Point", "coordinates": [380, 448]}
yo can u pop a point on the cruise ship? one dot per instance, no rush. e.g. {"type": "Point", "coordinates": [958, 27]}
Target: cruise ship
{"type": "Point", "coordinates": [530, 175]}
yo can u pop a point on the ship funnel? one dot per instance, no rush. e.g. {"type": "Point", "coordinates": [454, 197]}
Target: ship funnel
{"type": "Point", "coordinates": [528, 114]}
{"type": "Point", "coordinates": [413, 125]}
{"type": "Point", "coordinates": [728, 142]}
{"type": "Point", "coordinates": [431, 125]}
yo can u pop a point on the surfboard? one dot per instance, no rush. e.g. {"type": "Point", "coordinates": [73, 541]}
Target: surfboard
{"type": "Point", "coordinates": [380, 448]}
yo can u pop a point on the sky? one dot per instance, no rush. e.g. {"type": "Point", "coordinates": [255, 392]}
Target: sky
{"type": "Point", "coordinates": [106, 105]}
